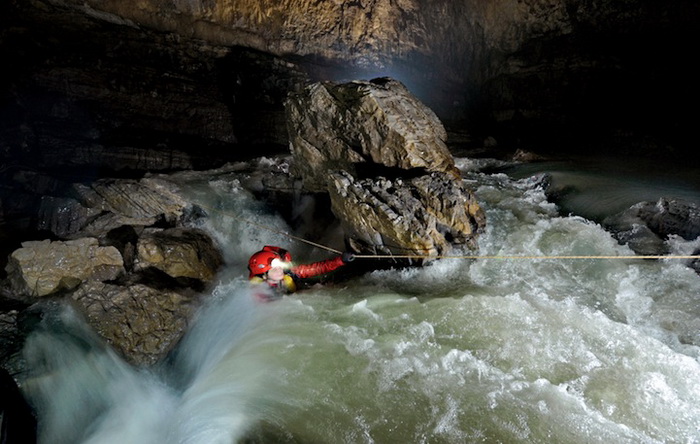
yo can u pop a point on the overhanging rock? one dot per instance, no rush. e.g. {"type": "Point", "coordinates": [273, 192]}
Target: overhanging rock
{"type": "Point", "coordinates": [359, 125]}
{"type": "Point", "coordinates": [381, 155]}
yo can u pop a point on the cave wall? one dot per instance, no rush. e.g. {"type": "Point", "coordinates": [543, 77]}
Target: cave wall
{"type": "Point", "coordinates": [156, 84]}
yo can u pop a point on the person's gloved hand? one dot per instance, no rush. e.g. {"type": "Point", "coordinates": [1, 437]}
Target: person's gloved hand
{"type": "Point", "coordinates": [348, 257]}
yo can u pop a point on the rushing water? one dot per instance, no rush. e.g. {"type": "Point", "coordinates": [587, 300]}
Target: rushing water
{"type": "Point", "coordinates": [489, 350]}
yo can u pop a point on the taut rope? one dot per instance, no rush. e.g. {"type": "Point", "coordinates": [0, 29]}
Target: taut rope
{"type": "Point", "coordinates": [418, 256]}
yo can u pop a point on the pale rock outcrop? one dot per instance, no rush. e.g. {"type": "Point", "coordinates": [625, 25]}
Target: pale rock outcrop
{"type": "Point", "coordinates": [179, 252]}
{"type": "Point", "coordinates": [428, 215]}
{"type": "Point", "coordinates": [381, 155]}
{"type": "Point", "coordinates": [354, 125]}
{"type": "Point", "coordinates": [41, 268]}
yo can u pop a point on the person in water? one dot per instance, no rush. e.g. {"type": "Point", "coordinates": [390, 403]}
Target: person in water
{"type": "Point", "coordinates": [273, 266]}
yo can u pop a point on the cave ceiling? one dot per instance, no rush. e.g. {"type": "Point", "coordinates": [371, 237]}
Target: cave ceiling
{"type": "Point", "coordinates": [91, 78]}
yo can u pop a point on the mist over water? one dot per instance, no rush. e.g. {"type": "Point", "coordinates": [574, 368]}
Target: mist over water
{"type": "Point", "coordinates": [488, 350]}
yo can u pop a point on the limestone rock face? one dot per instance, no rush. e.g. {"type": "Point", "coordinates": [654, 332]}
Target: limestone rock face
{"type": "Point", "coordinates": [363, 124]}
{"type": "Point", "coordinates": [93, 210]}
{"type": "Point", "coordinates": [143, 199]}
{"type": "Point", "coordinates": [424, 216]}
{"type": "Point", "coordinates": [41, 268]}
{"type": "Point", "coordinates": [179, 252]}
{"type": "Point", "coordinates": [140, 322]}
{"type": "Point", "coordinates": [154, 85]}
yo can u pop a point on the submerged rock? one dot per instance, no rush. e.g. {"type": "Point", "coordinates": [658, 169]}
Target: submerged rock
{"type": "Point", "coordinates": [646, 226]}
{"type": "Point", "coordinates": [670, 216]}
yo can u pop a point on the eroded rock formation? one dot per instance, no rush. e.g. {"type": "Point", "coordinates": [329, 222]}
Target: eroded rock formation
{"type": "Point", "coordinates": [360, 126]}
{"type": "Point", "coordinates": [141, 323]}
{"type": "Point", "coordinates": [129, 259]}
{"type": "Point", "coordinates": [380, 153]}
{"type": "Point", "coordinates": [425, 216]}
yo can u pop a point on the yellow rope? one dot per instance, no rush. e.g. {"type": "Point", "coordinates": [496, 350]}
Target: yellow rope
{"type": "Point", "coordinates": [418, 256]}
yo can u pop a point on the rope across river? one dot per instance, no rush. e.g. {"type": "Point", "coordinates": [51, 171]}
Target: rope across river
{"type": "Point", "coordinates": [466, 256]}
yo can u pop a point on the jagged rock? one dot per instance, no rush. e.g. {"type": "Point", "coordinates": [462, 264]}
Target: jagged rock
{"type": "Point", "coordinates": [64, 216]}
{"type": "Point", "coordinates": [179, 252]}
{"type": "Point", "coordinates": [427, 215]}
{"type": "Point", "coordinates": [140, 322]}
{"type": "Point", "coordinates": [646, 225]}
{"type": "Point", "coordinates": [107, 222]}
{"type": "Point", "coordinates": [41, 268]}
{"type": "Point", "coordinates": [138, 199]}
{"type": "Point", "coordinates": [670, 216]}
{"type": "Point", "coordinates": [357, 124]}
{"type": "Point", "coordinates": [107, 204]}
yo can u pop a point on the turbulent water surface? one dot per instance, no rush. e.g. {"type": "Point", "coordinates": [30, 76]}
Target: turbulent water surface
{"type": "Point", "coordinates": [487, 350]}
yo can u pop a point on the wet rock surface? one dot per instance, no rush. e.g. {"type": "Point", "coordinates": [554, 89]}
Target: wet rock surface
{"type": "Point", "coordinates": [647, 225]}
{"type": "Point", "coordinates": [126, 253]}
{"type": "Point", "coordinates": [142, 323]}
{"type": "Point", "coordinates": [426, 216]}
{"type": "Point", "coordinates": [41, 268]}
{"type": "Point", "coordinates": [179, 253]}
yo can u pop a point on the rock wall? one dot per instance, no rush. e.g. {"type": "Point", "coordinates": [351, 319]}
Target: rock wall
{"type": "Point", "coordinates": [150, 83]}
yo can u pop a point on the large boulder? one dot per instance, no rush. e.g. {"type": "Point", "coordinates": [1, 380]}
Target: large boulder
{"type": "Point", "coordinates": [360, 125]}
{"type": "Point", "coordinates": [142, 323]}
{"type": "Point", "coordinates": [179, 253]}
{"type": "Point", "coordinates": [424, 216]}
{"type": "Point", "coordinates": [381, 155]}
{"type": "Point", "coordinates": [41, 268]}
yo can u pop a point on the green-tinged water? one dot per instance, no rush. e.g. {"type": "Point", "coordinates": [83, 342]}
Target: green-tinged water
{"type": "Point", "coordinates": [483, 351]}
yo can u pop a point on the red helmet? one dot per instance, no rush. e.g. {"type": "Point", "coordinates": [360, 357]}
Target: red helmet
{"type": "Point", "coordinates": [261, 262]}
